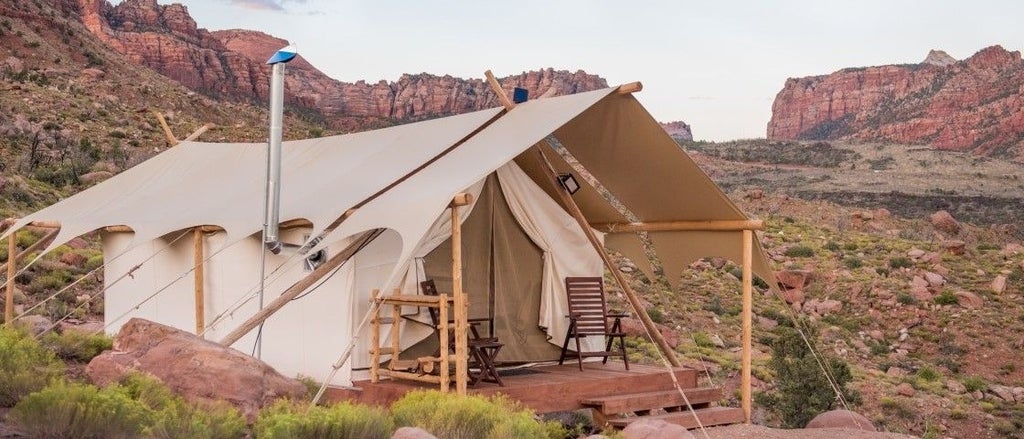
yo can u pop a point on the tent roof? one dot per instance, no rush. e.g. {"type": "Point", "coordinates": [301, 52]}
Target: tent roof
{"type": "Point", "coordinates": [403, 177]}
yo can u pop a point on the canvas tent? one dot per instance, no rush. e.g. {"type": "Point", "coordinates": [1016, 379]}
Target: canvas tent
{"type": "Point", "coordinates": [520, 241]}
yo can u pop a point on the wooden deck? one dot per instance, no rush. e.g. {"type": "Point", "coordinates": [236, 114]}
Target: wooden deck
{"type": "Point", "coordinates": [544, 389]}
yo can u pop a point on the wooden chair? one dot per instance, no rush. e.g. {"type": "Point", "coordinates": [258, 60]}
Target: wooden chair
{"type": "Point", "coordinates": [482, 350]}
{"type": "Point", "coordinates": [588, 315]}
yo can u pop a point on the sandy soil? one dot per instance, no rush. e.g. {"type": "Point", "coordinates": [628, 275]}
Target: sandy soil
{"type": "Point", "coordinates": [759, 432]}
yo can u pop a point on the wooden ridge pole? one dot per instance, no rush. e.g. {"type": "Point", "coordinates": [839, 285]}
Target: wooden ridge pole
{"type": "Point", "coordinates": [300, 286]}
{"type": "Point", "coordinates": [748, 311]}
{"type": "Point", "coordinates": [460, 304]}
{"type": "Point", "coordinates": [195, 135]}
{"type": "Point", "coordinates": [12, 258]}
{"type": "Point", "coordinates": [574, 210]}
{"type": "Point", "coordinates": [198, 275]}
{"type": "Point", "coordinates": [681, 226]}
{"type": "Point", "coordinates": [167, 129]}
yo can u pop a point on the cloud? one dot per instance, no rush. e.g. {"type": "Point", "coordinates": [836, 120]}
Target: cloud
{"type": "Point", "coordinates": [264, 5]}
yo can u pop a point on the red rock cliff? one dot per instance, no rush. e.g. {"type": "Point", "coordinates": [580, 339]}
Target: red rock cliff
{"type": "Point", "coordinates": [230, 64]}
{"type": "Point", "coordinates": [972, 105]}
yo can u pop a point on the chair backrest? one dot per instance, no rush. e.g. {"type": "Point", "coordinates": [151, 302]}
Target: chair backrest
{"type": "Point", "coordinates": [430, 289]}
{"type": "Point", "coordinates": [587, 304]}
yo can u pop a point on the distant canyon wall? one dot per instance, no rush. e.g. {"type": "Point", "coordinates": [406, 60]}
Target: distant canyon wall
{"type": "Point", "coordinates": [230, 65]}
{"type": "Point", "coordinates": [974, 105]}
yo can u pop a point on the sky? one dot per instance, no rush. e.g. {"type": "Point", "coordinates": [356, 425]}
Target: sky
{"type": "Point", "coordinates": [716, 65]}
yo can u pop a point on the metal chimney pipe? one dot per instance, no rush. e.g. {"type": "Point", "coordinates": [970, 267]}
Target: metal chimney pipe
{"type": "Point", "coordinates": [271, 238]}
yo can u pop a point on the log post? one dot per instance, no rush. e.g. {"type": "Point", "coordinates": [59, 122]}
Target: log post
{"type": "Point", "coordinates": [46, 239]}
{"type": "Point", "coordinates": [748, 311]}
{"type": "Point", "coordinates": [12, 258]}
{"type": "Point", "coordinates": [167, 129]}
{"type": "Point", "coordinates": [300, 286]}
{"type": "Point", "coordinates": [442, 331]}
{"type": "Point", "coordinates": [199, 277]}
{"type": "Point", "coordinates": [460, 305]}
{"type": "Point", "coordinates": [375, 338]}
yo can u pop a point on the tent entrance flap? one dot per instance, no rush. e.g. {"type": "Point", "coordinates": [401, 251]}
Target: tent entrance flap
{"type": "Point", "coordinates": [502, 276]}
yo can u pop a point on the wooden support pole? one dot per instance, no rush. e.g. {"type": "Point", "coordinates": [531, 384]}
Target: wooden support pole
{"type": "Point", "coordinates": [45, 240]}
{"type": "Point", "coordinates": [396, 345]}
{"type": "Point", "coordinates": [631, 296]}
{"type": "Point", "coordinates": [12, 258]}
{"type": "Point", "coordinates": [195, 135]}
{"type": "Point", "coordinates": [496, 88]}
{"type": "Point", "coordinates": [628, 88]}
{"type": "Point", "coordinates": [681, 226]}
{"type": "Point", "coordinates": [375, 339]}
{"type": "Point", "coordinates": [167, 129]}
{"type": "Point", "coordinates": [442, 331]}
{"type": "Point", "coordinates": [460, 304]}
{"type": "Point", "coordinates": [198, 275]}
{"type": "Point", "coordinates": [748, 325]}
{"type": "Point", "coordinates": [300, 286]}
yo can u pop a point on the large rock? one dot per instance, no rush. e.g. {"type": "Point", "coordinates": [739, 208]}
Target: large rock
{"type": "Point", "coordinates": [998, 284]}
{"type": "Point", "coordinates": [412, 433]}
{"type": "Point", "coordinates": [944, 222]}
{"type": "Point", "coordinates": [655, 429]}
{"type": "Point", "coordinates": [953, 106]}
{"type": "Point", "coordinates": [197, 369]}
{"type": "Point", "coordinates": [841, 419]}
{"type": "Point", "coordinates": [968, 299]}
{"type": "Point", "coordinates": [794, 279]}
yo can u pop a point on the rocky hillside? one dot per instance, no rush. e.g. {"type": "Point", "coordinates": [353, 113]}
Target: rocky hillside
{"type": "Point", "coordinates": [230, 65]}
{"type": "Point", "coordinates": [970, 105]}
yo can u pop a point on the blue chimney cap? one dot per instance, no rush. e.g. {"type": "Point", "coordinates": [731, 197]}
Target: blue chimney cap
{"type": "Point", "coordinates": [284, 55]}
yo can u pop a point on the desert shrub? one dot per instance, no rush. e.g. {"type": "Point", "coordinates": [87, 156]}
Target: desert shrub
{"type": "Point", "coordinates": [656, 315]}
{"type": "Point", "coordinates": [173, 417]}
{"type": "Point", "coordinates": [470, 417]}
{"type": "Point", "coordinates": [928, 374]}
{"type": "Point", "coordinates": [93, 262]}
{"type": "Point", "coordinates": [832, 246]}
{"type": "Point", "coordinates": [900, 262]}
{"type": "Point", "coordinates": [800, 251]}
{"type": "Point", "coordinates": [76, 346]}
{"type": "Point", "coordinates": [801, 389]}
{"type": "Point", "coordinates": [853, 262]}
{"type": "Point", "coordinates": [287, 419]}
{"type": "Point", "coordinates": [25, 366]}
{"type": "Point", "coordinates": [975, 383]}
{"type": "Point", "coordinates": [906, 299]}
{"type": "Point", "coordinates": [80, 411]}
{"type": "Point", "coordinates": [946, 298]}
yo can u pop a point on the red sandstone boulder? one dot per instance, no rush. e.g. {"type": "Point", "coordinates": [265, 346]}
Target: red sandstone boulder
{"type": "Point", "coordinates": [198, 370]}
{"type": "Point", "coordinates": [794, 279]}
{"type": "Point", "coordinates": [655, 429]}
{"type": "Point", "coordinates": [944, 222]}
{"type": "Point", "coordinates": [841, 419]}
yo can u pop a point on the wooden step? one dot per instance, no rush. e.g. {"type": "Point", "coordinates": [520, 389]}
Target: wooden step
{"type": "Point", "coordinates": [708, 416]}
{"type": "Point", "coordinates": [668, 399]}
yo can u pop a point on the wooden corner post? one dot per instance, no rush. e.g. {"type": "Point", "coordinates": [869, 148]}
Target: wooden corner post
{"type": "Point", "coordinates": [198, 274]}
{"type": "Point", "coordinates": [12, 257]}
{"type": "Point", "coordinates": [460, 304]}
{"type": "Point", "coordinates": [748, 311]}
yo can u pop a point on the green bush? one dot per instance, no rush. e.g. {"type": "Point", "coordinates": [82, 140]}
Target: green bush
{"type": "Point", "coordinates": [93, 263]}
{"type": "Point", "coordinates": [946, 298]}
{"type": "Point", "coordinates": [80, 411]}
{"type": "Point", "coordinates": [906, 299]}
{"type": "Point", "coordinates": [801, 388]}
{"type": "Point", "coordinates": [77, 346]}
{"type": "Point", "coordinates": [287, 419]}
{"type": "Point", "coordinates": [25, 366]}
{"type": "Point", "coordinates": [832, 246]}
{"type": "Point", "coordinates": [928, 374]}
{"type": "Point", "coordinates": [656, 315]}
{"type": "Point", "coordinates": [470, 417]}
{"type": "Point", "coordinates": [173, 417]}
{"type": "Point", "coordinates": [853, 262]}
{"type": "Point", "coordinates": [900, 262]}
{"type": "Point", "coordinates": [799, 251]}
{"type": "Point", "coordinates": [975, 383]}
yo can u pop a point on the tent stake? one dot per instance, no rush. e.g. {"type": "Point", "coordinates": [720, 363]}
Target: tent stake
{"type": "Point", "coordinates": [748, 309]}
{"type": "Point", "coordinates": [300, 286]}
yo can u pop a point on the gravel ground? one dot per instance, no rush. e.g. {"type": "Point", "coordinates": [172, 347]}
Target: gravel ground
{"type": "Point", "coordinates": [759, 432]}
